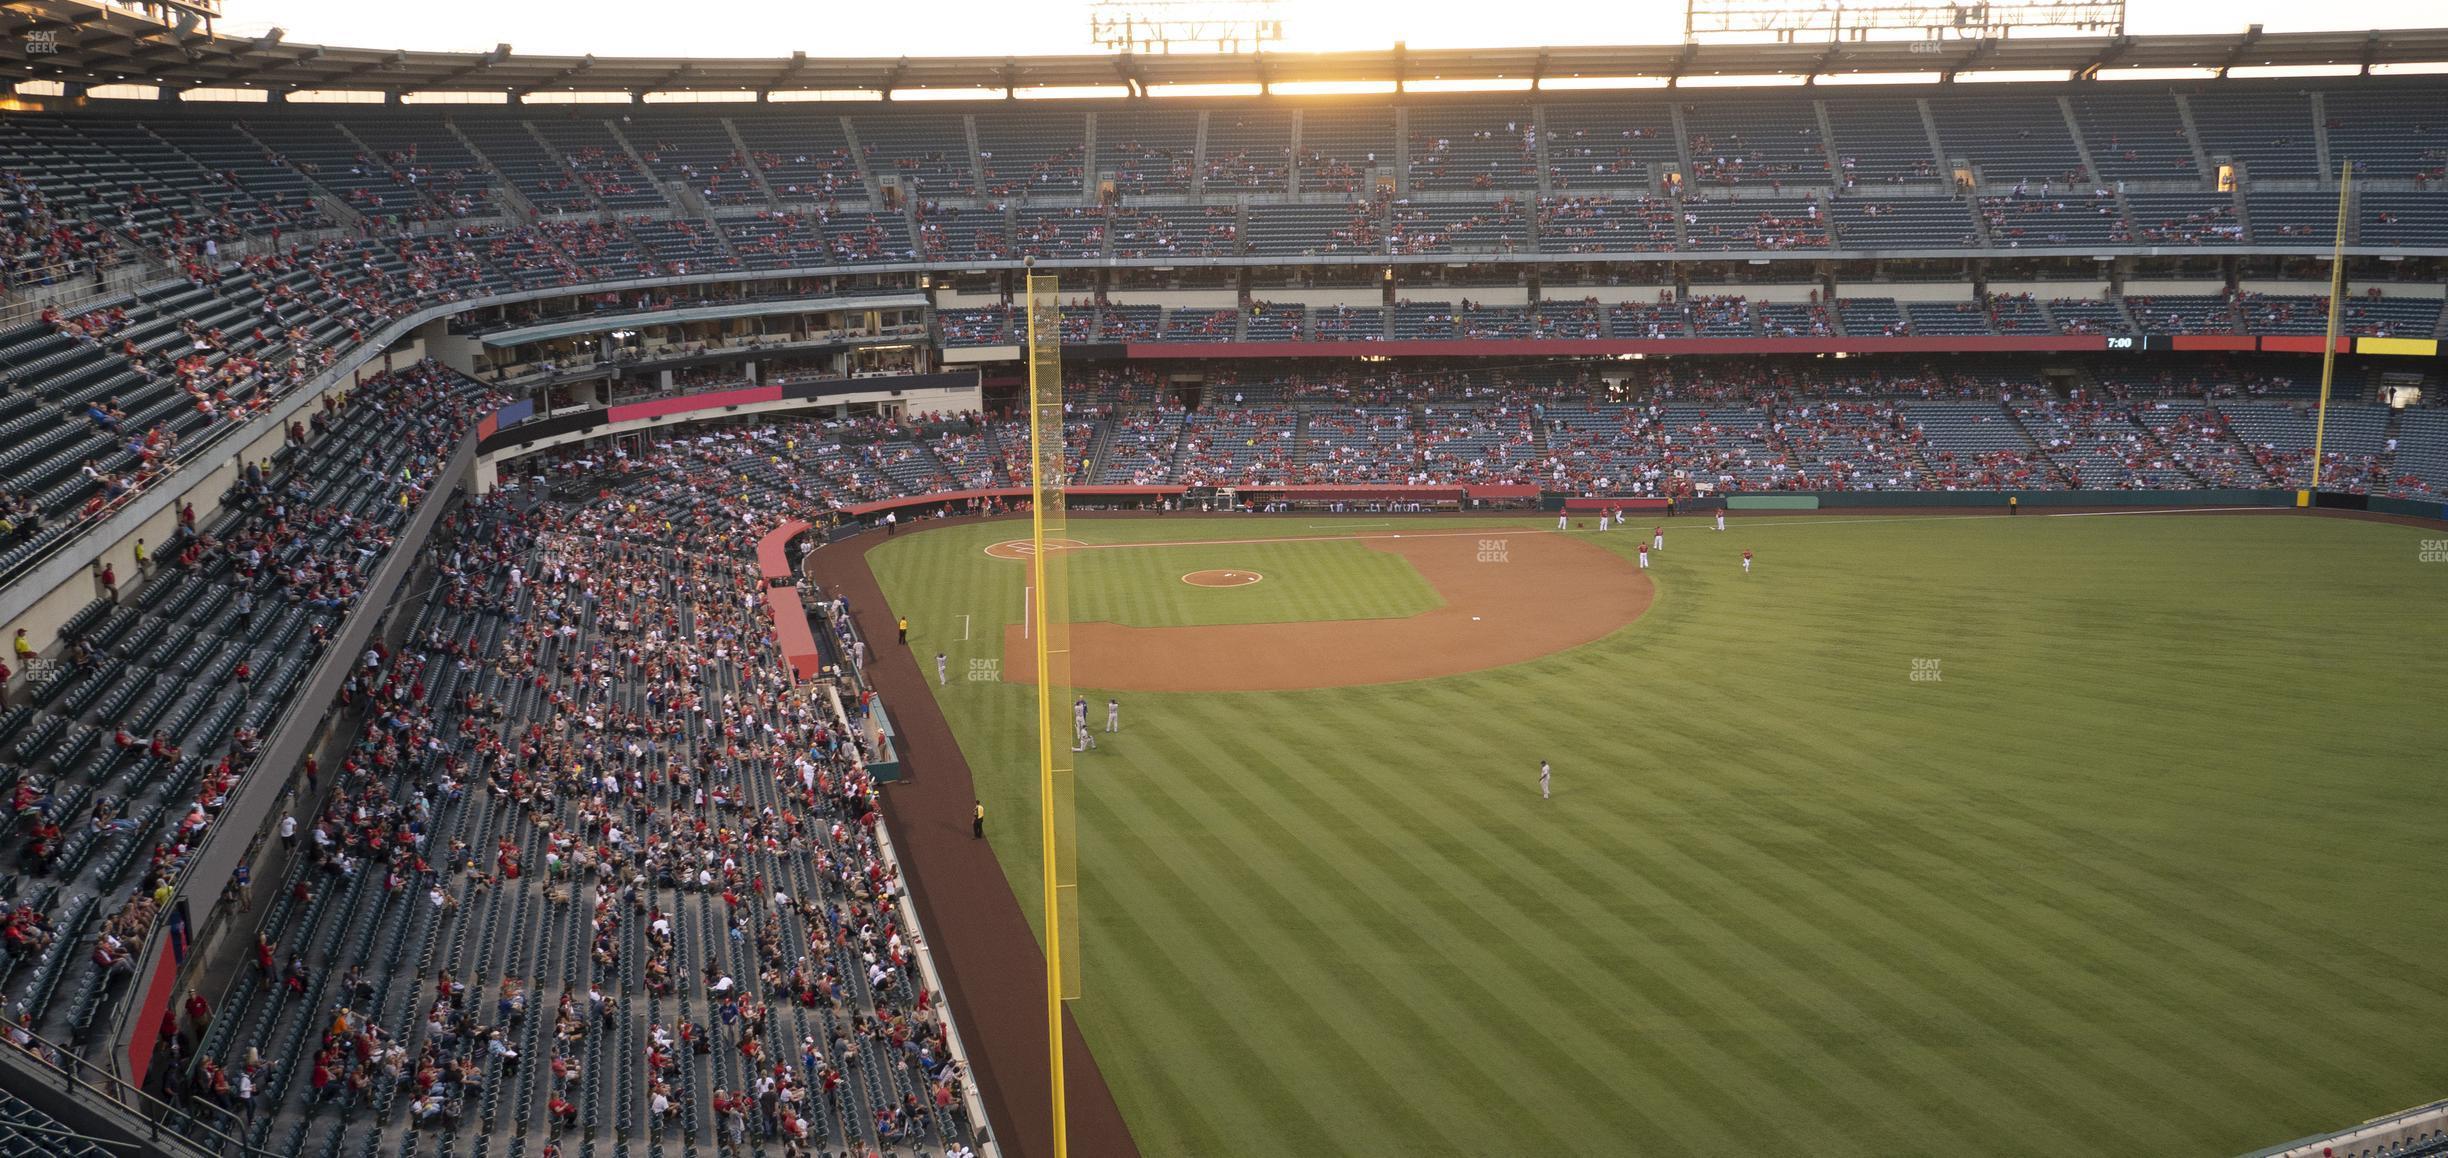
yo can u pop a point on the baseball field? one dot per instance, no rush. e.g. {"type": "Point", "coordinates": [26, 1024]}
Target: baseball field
{"type": "Point", "coordinates": [1930, 835]}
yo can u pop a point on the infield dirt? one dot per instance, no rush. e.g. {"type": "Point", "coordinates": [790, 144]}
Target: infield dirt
{"type": "Point", "coordinates": [1510, 595]}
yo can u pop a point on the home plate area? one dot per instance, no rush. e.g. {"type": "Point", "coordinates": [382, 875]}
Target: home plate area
{"type": "Point", "coordinates": [1222, 578]}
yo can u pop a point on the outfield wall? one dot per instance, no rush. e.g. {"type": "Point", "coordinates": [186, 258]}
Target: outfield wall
{"type": "Point", "coordinates": [2199, 498]}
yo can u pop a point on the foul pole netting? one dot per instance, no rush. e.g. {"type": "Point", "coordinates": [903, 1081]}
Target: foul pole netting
{"type": "Point", "coordinates": [1050, 631]}
{"type": "Point", "coordinates": [2337, 290]}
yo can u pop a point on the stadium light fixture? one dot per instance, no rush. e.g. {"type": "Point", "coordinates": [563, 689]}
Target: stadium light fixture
{"type": "Point", "coordinates": [1335, 88]}
{"type": "Point", "coordinates": [1059, 92]}
{"type": "Point", "coordinates": [1865, 78]}
{"type": "Point", "coordinates": [2110, 74]}
{"type": "Point", "coordinates": [2253, 70]}
{"type": "Point", "coordinates": [2015, 76]}
{"type": "Point", "coordinates": [1562, 83]}
{"type": "Point", "coordinates": [946, 94]}
{"type": "Point", "coordinates": [1741, 80]}
{"type": "Point", "coordinates": [1229, 89]}
{"type": "Point", "coordinates": [1491, 84]}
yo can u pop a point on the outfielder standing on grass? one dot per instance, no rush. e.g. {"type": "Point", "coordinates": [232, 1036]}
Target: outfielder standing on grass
{"type": "Point", "coordinates": [1544, 774]}
{"type": "Point", "coordinates": [1113, 715]}
{"type": "Point", "coordinates": [1721, 520]}
{"type": "Point", "coordinates": [1746, 561]}
{"type": "Point", "coordinates": [943, 670]}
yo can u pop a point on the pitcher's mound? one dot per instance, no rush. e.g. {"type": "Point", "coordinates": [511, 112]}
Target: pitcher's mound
{"type": "Point", "coordinates": [1222, 578]}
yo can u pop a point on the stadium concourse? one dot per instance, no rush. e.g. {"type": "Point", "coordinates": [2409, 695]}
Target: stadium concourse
{"type": "Point", "coordinates": [557, 852]}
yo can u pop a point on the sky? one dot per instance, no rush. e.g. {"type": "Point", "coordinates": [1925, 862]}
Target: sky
{"type": "Point", "coordinates": [773, 28]}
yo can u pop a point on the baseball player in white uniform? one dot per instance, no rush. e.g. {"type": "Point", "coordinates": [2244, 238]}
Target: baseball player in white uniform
{"type": "Point", "coordinates": [1644, 556]}
{"type": "Point", "coordinates": [943, 670]}
{"type": "Point", "coordinates": [1544, 773]}
{"type": "Point", "coordinates": [1113, 715]}
{"type": "Point", "coordinates": [1721, 520]}
{"type": "Point", "coordinates": [1563, 522]}
{"type": "Point", "coordinates": [1657, 539]}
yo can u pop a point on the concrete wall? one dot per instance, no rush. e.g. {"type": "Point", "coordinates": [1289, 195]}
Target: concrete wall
{"type": "Point", "coordinates": [1607, 294]}
{"type": "Point", "coordinates": [2193, 287]}
{"type": "Point", "coordinates": [1758, 293]}
{"type": "Point", "coordinates": [1494, 295]}
{"type": "Point", "coordinates": [968, 355]}
{"type": "Point", "coordinates": [1173, 299]}
{"type": "Point", "coordinates": [457, 351]}
{"type": "Point", "coordinates": [2396, 289]}
{"type": "Point", "coordinates": [1907, 291]}
{"type": "Point", "coordinates": [1313, 298]}
{"type": "Point", "coordinates": [486, 472]}
{"type": "Point", "coordinates": [947, 298]}
{"type": "Point", "coordinates": [2050, 290]}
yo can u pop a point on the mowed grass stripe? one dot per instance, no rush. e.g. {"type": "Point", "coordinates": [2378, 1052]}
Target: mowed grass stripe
{"type": "Point", "coordinates": [1959, 862]}
{"type": "Point", "coordinates": [1177, 961]}
{"type": "Point", "coordinates": [2058, 953]}
{"type": "Point", "coordinates": [1456, 979]}
{"type": "Point", "coordinates": [1918, 871]}
{"type": "Point", "coordinates": [2153, 832]}
{"type": "Point", "coordinates": [1543, 870]}
{"type": "Point", "coordinates": [1298, 982]}
{"type": "Point", "coordinates": [1553, 822]}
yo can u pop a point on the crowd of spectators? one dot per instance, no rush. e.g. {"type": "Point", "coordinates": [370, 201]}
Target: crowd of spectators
{"type": "Point", "coordinates": [590, 717]}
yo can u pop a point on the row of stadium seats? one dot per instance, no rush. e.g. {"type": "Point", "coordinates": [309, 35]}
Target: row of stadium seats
{"type": "Point", "coordinates": [1880, 169]}
{"type": "Point", "coordinates": [639, 882]}
{"type": "Point", "coordinates": [1717, 317]}
{"type": "Point", "coordinates": [131, 729]}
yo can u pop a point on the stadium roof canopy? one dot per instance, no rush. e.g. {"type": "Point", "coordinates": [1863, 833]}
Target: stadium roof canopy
{"type": "Point", "coordinates": [86, 43]}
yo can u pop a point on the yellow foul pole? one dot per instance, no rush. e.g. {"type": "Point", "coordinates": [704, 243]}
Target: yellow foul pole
{"type": "Point", "coordinates": [2337, 294]}
{"type": "Point", "coordinates": [1049, 612]}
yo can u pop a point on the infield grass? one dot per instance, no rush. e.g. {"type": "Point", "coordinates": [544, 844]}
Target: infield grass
{"type": "Point", "coordinates": [2147, 860]}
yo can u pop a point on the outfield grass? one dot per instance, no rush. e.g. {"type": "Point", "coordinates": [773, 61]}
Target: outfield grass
{"type": "Point", "coordinates": [2151, 867]}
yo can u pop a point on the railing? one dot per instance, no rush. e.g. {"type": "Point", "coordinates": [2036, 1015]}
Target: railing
{"type": "Point", "coordinates": [185, 453]}
{"type": "Point", "coordinates": [58, 286]}
{"type": "Point", "coordinates": [2390, 1130]}
{"type": "Point", "coordinates": [257, 795]}
{"type": "Point", "coordinates": [972, 1099]}
{"type": "Point", "coordinates": [42, 1065]}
